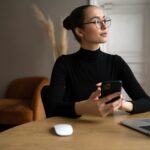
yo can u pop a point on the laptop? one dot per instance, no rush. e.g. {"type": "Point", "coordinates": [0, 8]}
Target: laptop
{"type": "Point", "coordinates": [141, 125]}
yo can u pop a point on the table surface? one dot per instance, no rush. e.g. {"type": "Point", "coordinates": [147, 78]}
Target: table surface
{"type": "Point", "coordinates": [90, 133]}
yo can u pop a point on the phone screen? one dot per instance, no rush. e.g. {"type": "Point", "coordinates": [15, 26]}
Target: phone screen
{"type": "Point", "coordinates": [110, 87]}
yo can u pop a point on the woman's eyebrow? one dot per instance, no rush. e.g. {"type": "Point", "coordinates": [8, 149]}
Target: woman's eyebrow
{"type": "Point", "coordinates": [97, 17]}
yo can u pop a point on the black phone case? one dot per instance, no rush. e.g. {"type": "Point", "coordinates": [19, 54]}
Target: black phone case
{"type": "Point", "coordinates": [110, 87]}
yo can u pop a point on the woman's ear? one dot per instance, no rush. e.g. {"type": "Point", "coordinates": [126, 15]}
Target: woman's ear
{"type": "Point", "coordinates": [79, 32]}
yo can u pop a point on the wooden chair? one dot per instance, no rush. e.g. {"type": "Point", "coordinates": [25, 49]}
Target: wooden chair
{"type": "Point", "coordinates": [22, 102]}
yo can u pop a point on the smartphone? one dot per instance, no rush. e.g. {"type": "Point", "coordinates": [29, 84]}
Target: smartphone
{"type": "Point", "coordinates": [110, 87]}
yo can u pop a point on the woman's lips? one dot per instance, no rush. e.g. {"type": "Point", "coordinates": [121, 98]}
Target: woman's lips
{"type": "Point", "coordinates": [104, 34]}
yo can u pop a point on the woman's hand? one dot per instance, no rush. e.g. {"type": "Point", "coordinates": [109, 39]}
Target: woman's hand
{"type": "Point", "coordinates": [97, 106]}
{"type": "Point", "coordinates": [105, 108]}
{"type": "Point", "coordinates": [126, 106]}
{"type": "Point", "coordinates": [88, 106]}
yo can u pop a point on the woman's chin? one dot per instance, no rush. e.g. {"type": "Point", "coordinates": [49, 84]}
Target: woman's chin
{"type": "Point", "coordinates": [103, 41]}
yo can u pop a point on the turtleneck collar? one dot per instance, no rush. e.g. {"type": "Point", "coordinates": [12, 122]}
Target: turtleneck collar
{"type": "Point", "coordinates": [88, 54]}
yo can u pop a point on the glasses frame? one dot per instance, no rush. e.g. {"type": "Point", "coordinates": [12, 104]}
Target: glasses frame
{"type": "Point", "coordinates": [100, 23]}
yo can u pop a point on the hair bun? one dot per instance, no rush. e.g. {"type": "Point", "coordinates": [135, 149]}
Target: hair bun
{"type": "Point", "coordinates": [67, 23]}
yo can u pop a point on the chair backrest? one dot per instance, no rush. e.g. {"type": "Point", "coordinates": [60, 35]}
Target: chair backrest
{"type": "Point", "coordinates": [23, 87]}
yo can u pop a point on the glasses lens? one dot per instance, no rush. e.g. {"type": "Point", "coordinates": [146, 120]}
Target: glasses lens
{"type": "Point", "coordinates": [107, 22]}
{"type": "Point", "coordinates": [98, 23]}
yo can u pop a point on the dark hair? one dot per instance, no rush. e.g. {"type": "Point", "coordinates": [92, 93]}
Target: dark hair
{"type": "Point", "coordinates": [75, 19]}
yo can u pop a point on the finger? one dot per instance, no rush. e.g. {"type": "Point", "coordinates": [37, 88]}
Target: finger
{"type": "Point", "coordinates": [99, 84]}
{"type": "Point", "coordinates": [111, 96]}
{"type": "Point", "coordinates": [107, 111]}
{"type": "Point", "coordinates": [122, 97]}
{"type": "Point", "coordinates": [117, 105]}
{"type": "Point", "coordinates": [96, 94]}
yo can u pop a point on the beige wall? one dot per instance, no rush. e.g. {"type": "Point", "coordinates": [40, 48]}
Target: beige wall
{"type": "Point", "coordinates": [147, 48]}
{"type": "Point", "coordinates": [24, 47]}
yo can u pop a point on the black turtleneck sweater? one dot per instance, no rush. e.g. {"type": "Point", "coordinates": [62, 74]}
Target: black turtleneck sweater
{"type": "Point", "coordinates": [74, 78]}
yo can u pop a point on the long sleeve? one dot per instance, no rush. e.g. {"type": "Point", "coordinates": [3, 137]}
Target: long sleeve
{"type": "Point", "coordinates": [54, 96]}
{"type": "Point", "coordinates": [140, 100]}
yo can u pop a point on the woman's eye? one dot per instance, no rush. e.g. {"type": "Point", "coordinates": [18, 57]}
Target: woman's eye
{"type": "Point", "coordinates": [106, 20]}
{"type": "Point", "coordinates": [96, 20]}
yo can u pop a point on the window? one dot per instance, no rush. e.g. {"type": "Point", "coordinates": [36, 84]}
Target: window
{"type": "Point", "coordinates": [128, 34]}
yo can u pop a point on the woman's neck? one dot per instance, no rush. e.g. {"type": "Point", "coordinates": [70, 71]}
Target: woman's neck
{"type": "Point", "coordinates": [90, 47]}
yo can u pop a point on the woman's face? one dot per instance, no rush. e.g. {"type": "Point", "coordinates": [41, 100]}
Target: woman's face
{"type": "Point", "coordinates": [93, 33]}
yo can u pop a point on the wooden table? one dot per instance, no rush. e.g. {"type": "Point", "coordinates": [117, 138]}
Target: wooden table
{"type": "Point", "coordinates": [90, 133]}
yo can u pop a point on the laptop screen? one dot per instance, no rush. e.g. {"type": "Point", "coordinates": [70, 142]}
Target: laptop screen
{"type": "Point", "coordinates": [145, 127]}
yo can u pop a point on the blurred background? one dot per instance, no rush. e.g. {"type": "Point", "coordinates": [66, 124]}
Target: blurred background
{"type": "Point", "coordinates": [24, 46]}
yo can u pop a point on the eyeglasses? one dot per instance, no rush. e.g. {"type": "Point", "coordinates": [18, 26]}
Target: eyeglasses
{"type": "Point", "coordinates": [99, 24]}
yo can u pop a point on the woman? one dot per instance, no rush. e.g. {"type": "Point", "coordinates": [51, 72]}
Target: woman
{"type": "Point", "coordinates": [75, 87]}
